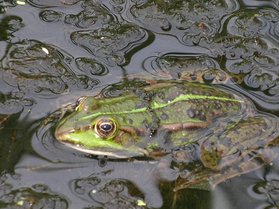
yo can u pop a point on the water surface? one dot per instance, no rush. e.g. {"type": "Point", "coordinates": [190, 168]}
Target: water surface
{"type": "Point", "coordinates": [53, 52]}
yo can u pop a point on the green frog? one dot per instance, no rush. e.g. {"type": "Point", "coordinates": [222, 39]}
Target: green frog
{"type": "Point", "coordinates": [212, 133]}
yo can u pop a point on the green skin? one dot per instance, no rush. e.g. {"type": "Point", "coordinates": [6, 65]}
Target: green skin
{"type": "Point", "coordinates": [174, 115]}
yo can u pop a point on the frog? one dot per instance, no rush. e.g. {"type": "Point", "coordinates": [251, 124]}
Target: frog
{"type": "Point", "coordinates": [212, 133]}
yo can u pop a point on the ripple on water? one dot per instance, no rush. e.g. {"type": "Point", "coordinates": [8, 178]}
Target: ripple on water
{"type": "Point", "coordinates": [242, 42]}
{"type": "Point", "coordinates": [112, 43]}
{"type": "Point", "coordinates": [189, 21]}
{"type": "Point", "coordinates": [110, 193]}
{"type": "Point", "coordinates": [263, 82]}
{"type": "Point", "coordinates": [103, 35]}
{"type": "Point", "coordinates": [91, 66]}
{"type": "Point", "coordinates": [36, 196]}
{"type": "Point", "coordinates": [266, 190]}
{"type": "Point", "coordinates": [35, 67]}
{"type": "Point", "coordinates": [249, 50]}
{"type": "Point", "coordinates": [47, 147]}
{"type": "Point", "coordinates": [51, 16]}
{"type": "Point", "coordinates": [247, 23]}
{"type": "Point", "coordinates": [11, 104]}
{"type": "Point", "coordinates": [93, 15]}
{"type": "Point", "coordinates": [189, 67]}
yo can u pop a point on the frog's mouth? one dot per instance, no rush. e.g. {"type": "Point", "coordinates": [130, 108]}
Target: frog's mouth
{"type": "Point", "coordinates": [59, 135]}
{"type": "Point", "coordinates": [110, 152]}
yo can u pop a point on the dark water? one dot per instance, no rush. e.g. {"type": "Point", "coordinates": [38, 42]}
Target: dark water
{"type": "Point", "coordinates": [53, 52]}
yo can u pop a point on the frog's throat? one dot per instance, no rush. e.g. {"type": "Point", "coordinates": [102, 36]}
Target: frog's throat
{"type": "Point", "coordinates": [156, 105]}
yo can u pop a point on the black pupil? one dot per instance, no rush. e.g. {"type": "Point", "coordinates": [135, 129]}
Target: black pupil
{"type": "Point", "coordinates": [106, 127]}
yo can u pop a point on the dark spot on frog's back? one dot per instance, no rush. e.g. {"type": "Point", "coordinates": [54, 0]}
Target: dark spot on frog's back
{"type": "Point", "coordinates": [231, 104]}
{"type": "Point", "coordinates": [140, 105]}
{"type": "Point", "coordinates": [206, 105]}
{"type": "Point", "coordinates": [202, 116]}
{"type": "Point", "coordinates": [164, 116]}
{"type": "Point", "coordinates": [191, 113]}
{"type": "Point", "coordinates": [145, 123]}
{"type": "Point", "coordinates": [161, 95]}
{"type": "Point", "coordinates": [226, 141]}
{"type": "Point", "coordinates": [130, 121]}
{"type": "Point", "coordinates": [195, 113]}
{"type": "Point", "coordinates": [173, 94]}
{"type": "Point", "coordinates": [88, 104]}
{"type": "Point", "coordinates": [217, 105]}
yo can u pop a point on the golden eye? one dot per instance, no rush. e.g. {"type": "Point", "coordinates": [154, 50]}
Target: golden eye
{"type": "Point", "coordinates": [105, 127]}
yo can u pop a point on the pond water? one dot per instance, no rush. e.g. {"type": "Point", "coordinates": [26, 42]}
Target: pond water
{"type": "Point", "coordinates": [54, 52]}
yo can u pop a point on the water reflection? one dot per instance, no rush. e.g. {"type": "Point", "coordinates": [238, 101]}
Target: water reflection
{"type": "Point", "coordinates": [261, 187]}
{"type": "Point", "coordinates": [103, 36]}
{"type": "Point", "coordinates": [111, 193]}
{"type": "Point", "coordinates": [51, 48]}
{"type": "Point", "coordinates": [91, 66]}
{"type": "Point", "coordinates": [267, 190]}
{"type": "Point", "coordinates": [113, 43]}
{"type": "Point", "coordinates": [9, 25]}
{"type": "Point", "coordinates": [193, 68]}
{"type": "Point", "coordinates": [36, 196]}
{"type": "Point", "coordinates": [189, 21]}
{"type": "Point", "coordinates": [34, 67]}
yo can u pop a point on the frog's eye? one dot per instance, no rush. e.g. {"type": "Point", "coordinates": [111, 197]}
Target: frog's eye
{"type": "Point", "coordinates": [105, 127]}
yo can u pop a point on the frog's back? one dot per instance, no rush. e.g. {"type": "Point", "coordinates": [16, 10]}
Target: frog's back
{"type": "Point", "coordinates": [188, 102]}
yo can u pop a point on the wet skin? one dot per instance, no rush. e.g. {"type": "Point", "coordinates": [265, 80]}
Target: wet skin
{"type": "Point", "coordinates": [225, 134]}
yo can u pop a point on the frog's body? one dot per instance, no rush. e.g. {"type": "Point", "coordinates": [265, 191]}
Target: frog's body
{"type": "Point", "coordinates": [168, 118]}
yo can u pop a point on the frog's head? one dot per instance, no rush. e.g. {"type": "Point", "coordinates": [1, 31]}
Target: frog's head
{"type": "Point", "coordinates": [97, 131]}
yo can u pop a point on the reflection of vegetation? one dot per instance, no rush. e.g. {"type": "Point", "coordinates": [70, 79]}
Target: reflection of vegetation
{"type": "Point", "coordinates": [11, 147]}
{"type": "Point", "coordinates": [110, 193]}
{"type": "Point", "coordinates": [29, 68]}
{"type": "Point", "coordinates": [185, 199]}
{"type": "Point", "coordinates": [3, 30]}
{"type": "Point", "coordinates": [166, 6]}
{"type": "Point", "coordinates": [8, 25]}
{"type": "Point", "coordinates": [170, 7]}
{"type": "Point", "coordinates": [114, 42]}
{"type": "Point", "coordinates": [36, 197]}
{"type": "Point", "coordinates": [14, 137]}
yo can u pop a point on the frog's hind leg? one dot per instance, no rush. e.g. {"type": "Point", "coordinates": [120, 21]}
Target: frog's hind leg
{"type": "Point", "coordinates": [208, 179]}
{"type": "Point", "coordinates": [245, 139]}
{"type": "Point", "coordinates": [240, 148]}
{"type": "Point", "coordinates": [235, 171]}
